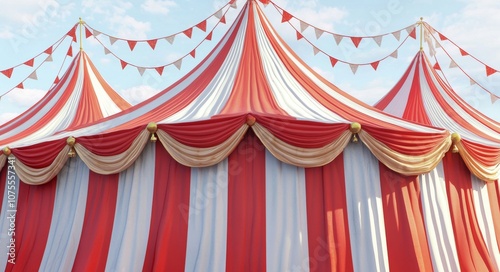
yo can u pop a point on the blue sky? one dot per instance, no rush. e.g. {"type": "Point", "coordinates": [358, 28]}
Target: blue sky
{"type": "Point", "coordinates": [28, 27]}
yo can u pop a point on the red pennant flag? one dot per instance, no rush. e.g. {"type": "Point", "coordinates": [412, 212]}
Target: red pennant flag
{"type": "Point", "coordinates": [413, 33]}
{"type": "Point", "coordinates": [56, 80]}
{"type": "Point", "coordinates": [202, 26]}
{"type": "Point", "coordinates": [70, 52]}
{"type": "Point", "coordinates": [159, 69]}
{"type": "Point", "coordinates": [299, 36]}
{"type": "Point", "coordinates": [375, 65]}
{"type": "Point", "coordinates": [193, 53]}
{"type": "Point", "coordinates": [124, 64]}
{"type": "Point", "coordinates": [8, 72]}
{"type": "Point", "coordinates": [72, 33]}
{"type": "Point", "coordinates": [20, 86]}
{"type": "Point", "coordinates": [152, 43]}
{"type": "Point", "coordinates": [188, 32]}
{"type": "Point", "coordinates": [223, 19]}
{"type": "Point", "coordinates": [463, 53]}
{"type": "Point", "coordinates": [286, 17]}
{"type": "Point", "coordinates": [490, 71]}
{"type": "Point", "coordinates": [131, 44]}
{"type": "Point", "coordinates": [333, 61]}
{"type": "Point", "coordinates": [436, 66]}
{"type": "Point", "coordinates": [209, 36]}
{"type": "Point", "coordinates": [265, 2]}
{"type": "Point", "coordinates": [88, 33]}
{"type": "Point", "coordinates": [30, 62]}
{"type": "Point", "coordinates": [442, 37]}
{"type": "Point", "coordinates": [356, 41]}
{"type": "Point", "coordinates": [48, 50]}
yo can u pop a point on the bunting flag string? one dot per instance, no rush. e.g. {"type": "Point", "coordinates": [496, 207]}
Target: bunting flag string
{"type": "Point", "coordinates": [220, 15]}
{"type": "Point", "coordinates": [30, 62]}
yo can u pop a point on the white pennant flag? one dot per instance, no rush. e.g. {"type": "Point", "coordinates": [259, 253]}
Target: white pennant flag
{"type": "Point", "coordinates": [378, 40]}
{"type": "Point", "coordinates": [178, 64]}
{"type": "Point", "coordinates": [410, 29]}
{"type": "Point", "coordinates": [218, 14]}
{"type": "Point", "coordinates": [430, 43]}
{"type": "Point", "coordinates": [112, 40]}
{"type": "Point", "coordinates": [318, 32]}
{"type": "Point", "coordinates": [453, 64]}
{"type": "Point", "coordinates": [233, 5]}
{"type": "Point", "coordinates": [49, 58]}
{"type": "Point", "coordinates": [397, 34]}
{"type": "Point", "coordinates": [354, 68]}
{"type": "Point", "coordinates": [106, 51]}
{"type": "Point", "coordinates": [338, 38]}
{"type": "Point", "coordinates": [170, 39]}
{"type": "Point", "coordinates": [394, 54]}
{"type": "Point", "coordinates": [438, 45]}
{"type": "Point", "coordinates": [472, 82]}
{"type": "Point", "coordinates": [493, 98]}
{"type": "Point", "coordinates": [96, 33]}
{"type": "Point", "coordinates": [141, 70]}
{"type": "Point", "coordinates": [316, 50]}
{"type": "Point", "coordinates": [303, 26]}
{"type": "Point", "coordinates": [33, 75]}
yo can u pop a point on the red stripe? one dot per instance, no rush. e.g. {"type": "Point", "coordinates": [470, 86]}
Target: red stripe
{"type": "Point", "coordinates": [472, 252]}
{"type": "Point", "coordinates": [327, 222]}
{"type": "Point", "coordinates": [92, 251]}
{"type": "Point", "coordinates": [35, 204]}
{"type": "Point", "coordinates": [404, 222]}
{"type": "Point", "coordinates": [415, 110]}
{"type": "Point", "coordinates": [494, 196]}
{"type": "Point", "coordinates": [167, 242]}
{"type": "Point", "coordinates": [246, 213]}
{"type": "Point", "coordinates": [3, 183]}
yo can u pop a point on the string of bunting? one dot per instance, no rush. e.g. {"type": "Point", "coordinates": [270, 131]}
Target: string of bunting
{"type": "Point", "coordinates": [454, 64]}
{"type": "Point", "coordinates": [356, 40]}
{"type": "Point", "coordinates": [354, 66]}
{"type": "Point", "coordinates": [177, 63]}
{"type": "Point", "coordinates": [33, 75]}
{"type": "Point", "coordinates": [219, 14]}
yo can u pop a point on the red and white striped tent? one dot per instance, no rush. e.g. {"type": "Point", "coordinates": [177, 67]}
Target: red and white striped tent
{"type": "Point", "coordinates": [254, 168]}
{"type": "Point", "coordinates": [470, 196]}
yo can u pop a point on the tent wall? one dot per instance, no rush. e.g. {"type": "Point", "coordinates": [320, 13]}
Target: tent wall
{"type": "Point", "coordinates": [252, 211]}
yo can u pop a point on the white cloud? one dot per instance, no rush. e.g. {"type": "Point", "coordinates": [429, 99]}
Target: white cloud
{"type": "Point", "coordinates": [24, 98]}
{"type": "Point", "coordinates": [6, 34]}
{"type": "Point", "coordinates": [7, 116]}
{"type": "Point", "coordinates": [158, 6]}
{"type": "Point", "coordinates": [138, 94]}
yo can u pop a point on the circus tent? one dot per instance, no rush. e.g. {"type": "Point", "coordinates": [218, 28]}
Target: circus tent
{"type": "Point", "coordinates": [250, 161]}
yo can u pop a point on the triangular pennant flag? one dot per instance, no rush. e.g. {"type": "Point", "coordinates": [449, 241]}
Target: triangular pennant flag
{"type": "Point", "coordinates": [218, 14]}
{"type": "Point", "coordinates": [141, 70]}
{"type": "Point", "coordinates": [72, 33]}
{"type": "Point", "coordinates": [265, 2]}
{"type": "Point", "coordinates": [303, 26]}
{"type": "Point", "coordinates": [87, 33]}
{"type": "Point", "coordinates": [378, 40]}
{"type": "Point", "coordinates": [48, 50]}
{"type": "Point", "coordinates": [106, 51]}
{"type": "Point", "coordinates": [49, 58]}
{"type": "Point", "coordinates": [338, 38]}
{"type": "Point", "coordinates": [70, 52]}
{"type": "Point", "coordinates": [494, 98]}
{"type": "Point", "coordinates": [112, 40]}
{"type": "Point", "coordinates": [131, 44]}
{"type": "Point", "coordinates": [286, 16]}
{"type": "Point", "coordinates": [333, 61]}
{"type": "Point", "coordinates": [356, 41]}
{"type": "Point", "coordinates": [8, 72]}
{"type": "Point", "coordinates": [20, 86]}
{"type": "Point", "coordinates": [160, 69]}
{"type": "Point", "coordinates": [56, 80]}
{"type": "Point", "coordinates": [463, 52]}
{"type": "Point", "coordinates": [33, 75]}
{"type": "Point", "coordinates": [375, 65]}
{"type": "Point", "coordinates": [209, 36]}
{"type": "Point", "coordinates": [442, 37]}
{"type": "Point", "coordinates": [436, 66]}
{"type": "Point", "coordinates": [438, 45]}
{"type": "Point", "coordinates": [318, 32]}
{"type": "Point", "coordinates": [233, 5]}
{"type": "Point", "coordinates": [30, 62]}
{"type": "Point", "coordinates": [202, 26]}
{"type": "Point", "coordinates": [354, 68]}
{"type": "Point", "coordinates": [472, 81]}
{"type": "Point", "coordinates": [413, 33]}
{"type": "Point", "coordinates": [299, 36]}
{"type": "Point", "coordinates": [394, 54]}
{"type": "Point", "coordinates": [453, 64]}
{"type": "Point", "coordinates": [178, 64]}
{"type": "Point", "coordinates": [188, 32]}
{"type": "Point", "coordinates": [152, 43]}
{"type": "Point", "coordinates": [123, 64]}
{"type": "Point", "coordinates": [96, 33]}
{"type": "Point", "coordinates": [223, 19]}
{"type": "Point", "coordinates": [396, 34]}
{"type": "Point", "coordinates": [193, 53]}
{"type": "Point", "coordinates": [170, 39]}
{"type": "Point", "coordinates": [410, 29]}
{"type": "Point", "coordinates": [316, 50]}
{"type": "Point", "coordinates": [490, 71]}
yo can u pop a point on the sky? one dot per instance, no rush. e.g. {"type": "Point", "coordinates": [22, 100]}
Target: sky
{"type": "Point", "coordinates": [28, 27]}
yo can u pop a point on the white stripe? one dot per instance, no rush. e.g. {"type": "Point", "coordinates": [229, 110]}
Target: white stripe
{"type": "Point", "coordinates": [437, 219]}
{"type": "Point", "coordinates": [399, 102]}
{"type": "Point", "coordinates": [365, 209]}
{"type": "Point", "coordinates": [106, 104]}
{"type": "Point", "coordinates": [207, 228]}
{"type": "Point", "coordinates": [67, 217]}
{"type": "Point", "coordinates": [485, 218]}
{"type": "Point", "coordinates": [134, 202]}
{"type": "Point", "coordinates": [6, 212]}
{"type": "Point", "coordinates": [286, 217]}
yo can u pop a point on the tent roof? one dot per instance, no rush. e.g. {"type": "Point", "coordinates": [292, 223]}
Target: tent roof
{"type": "Point", "coordinates": [422, 96]}
{"type": "Point", "coordinates": [253, 79]}
{"type": "Point", "coordinates": [81, 97]}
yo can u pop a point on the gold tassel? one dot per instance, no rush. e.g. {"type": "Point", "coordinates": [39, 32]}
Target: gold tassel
{"type": "Point", "coordinates": [153, 137]}
{"type": "Point", "coordinates": [354, 138]}
{"type": "Point", "coordinates": [72, 153]}
{"type": "Point", "coordinates": [454, 149]}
